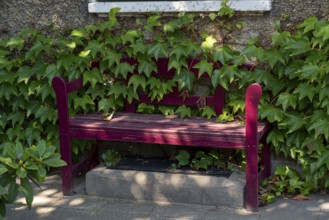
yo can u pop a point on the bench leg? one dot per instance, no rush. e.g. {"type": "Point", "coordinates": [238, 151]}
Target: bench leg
{"type": "Point", "coordinates": [266, 160]}
{"type": "Point", "coordinates": [66, 171]}
{"type": "Point", "coordinates": [252, 178]}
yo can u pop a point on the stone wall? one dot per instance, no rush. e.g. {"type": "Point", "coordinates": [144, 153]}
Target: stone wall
{"type": "Point", "coordinates": [67, 14]}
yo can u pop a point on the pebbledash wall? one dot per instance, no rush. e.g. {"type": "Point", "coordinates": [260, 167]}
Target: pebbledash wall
{"type": "Point", "coordinates": [67, 14]}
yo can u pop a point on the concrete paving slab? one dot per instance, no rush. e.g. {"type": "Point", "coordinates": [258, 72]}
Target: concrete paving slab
{"type": "Point", "coordinates": [178, 211]}
{"type": "Point", "coordinates": [81, 202]}
{"type": "Point", "coordinates": [280, 209]}
{"type": "Point", "coordinates": [21, 212]}
{"type": "Point", "coordinates": [58, 213]}
{"type": "Point", "coordinates": [121, 206]}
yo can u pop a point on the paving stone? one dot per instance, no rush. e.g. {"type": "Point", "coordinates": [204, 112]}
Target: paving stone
{"type": "Point", "coordinates": [82, 202]}
{"type": "Point", "coordinates": [58, 213]}
{"type": "Point", "coordinates": [103, 215]}
{"type": "Point", "coordinates": [224, 213]}
{"type": "Point", "coordinates": [302, 210]}
{"type": "Point", "coordinates": [22, 212]}
{"type": "Point", "coordinates": [128, 207]}
{"type": "Point", "coordinates": [178, 211]}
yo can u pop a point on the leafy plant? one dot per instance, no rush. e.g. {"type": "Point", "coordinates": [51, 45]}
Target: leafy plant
{"type": "Point", "coordinates": [111, 158]}
{"type": "Point", "coordinates": [202, 160]}
{"type": "Point", "coordinates": [284, 181]}
{"type": "Point", "coordinates": [25, 165]}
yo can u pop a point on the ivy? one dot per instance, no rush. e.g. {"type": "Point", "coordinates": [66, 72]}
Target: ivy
{"type": "Point", "coordinates": [293, 70]}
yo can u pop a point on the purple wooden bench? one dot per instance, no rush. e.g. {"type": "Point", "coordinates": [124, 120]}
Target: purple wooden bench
{"type": "Point", "coordinates": [135, 127]}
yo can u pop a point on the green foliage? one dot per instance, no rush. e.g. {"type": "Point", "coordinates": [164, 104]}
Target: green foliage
{"type": "Point", "coordinates": [293, 69]}
{"type": "Point", "coordinates": [25, 164]}
{"type": "Point", "coordinates": [298, 109]}
{"type": "Point", "coordinates": [284, 181]}
{"type": "Point", "coordinates": [202, 160]}
{"type": "Point", "coordinates": [111, 158]}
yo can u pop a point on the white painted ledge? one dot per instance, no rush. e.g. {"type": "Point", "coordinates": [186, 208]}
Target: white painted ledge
{"type": "Point", "coordinates": [176, 6]}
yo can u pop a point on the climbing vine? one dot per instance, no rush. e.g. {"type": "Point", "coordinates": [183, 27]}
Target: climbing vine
{"type": "Point", "coordinates": [293, 71]}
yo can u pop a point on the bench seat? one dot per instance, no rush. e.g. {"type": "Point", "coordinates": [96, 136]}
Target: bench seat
{"type": "Point", "coordinates": [161, 129]}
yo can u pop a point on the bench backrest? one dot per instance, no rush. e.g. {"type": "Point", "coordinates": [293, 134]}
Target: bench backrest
{"type": "Point", "coordinates": [175, 98]}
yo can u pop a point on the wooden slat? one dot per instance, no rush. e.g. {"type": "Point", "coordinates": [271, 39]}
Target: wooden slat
{"type": "Point", "coordinates": [160, 129]}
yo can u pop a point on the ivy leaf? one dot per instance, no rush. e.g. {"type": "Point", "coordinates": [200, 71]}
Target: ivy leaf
{"type": "Point", "coordinates": [44, 91]}
{"type": "Point", "coordinates": [165, 110]}
{"type": "Point", "coordinates": [323, 159]}
{"type": "Point", "coordinates": [83, 102]}
{"type": "Point", "coordinates": [31, 134]}
{"type": "Point", "coordinates": [152, 22]}
{"type": "Point", "coordinates": [274, 56]}
{"type": "Point", "coordinates": [251, 51]}
{"type": "Point", "coordinates": [226, 116]}
{"type": "Point", "coordinates": [212, 16]}
{"type": "Point", "coordinates": [138, 47]}
{"type": "Point", "coordinates": [204, 67]}
{"type": "Point", "coordinates": [6, 76]}
{"type": "Point", "coordinates": [298, 46]}
{"type": "Point", "coordinates": [45, 113]}
{"type": "Point", "coordinates": [308, 24]}
{"type": "Point", "coordinates": [51, 72]}
{"type": "Point", "coordinates": [117, 89]}
{"type": "Point", "coordinates": [145, 108]}
{"type": "Point", "coordinates": [305, 90]}
{"type": "Point", "coordinates": [34, 51]}
{"type": "Point", "coordinates": [129, 36]}
{"type": "Point", "coordinates": [222, 54]}
{"type": "Point", "coordinates": [84, 53]}
{"type": "Point", "coordinates": [112, 17]}
{"type": "Point", "coordinates": [292, 122]}
{"type": "Point", "coordinates": [154, 83]}
{"type": "Point", "coordinates": [178, 65]}
{"type": "Point", "coordinates": [271, 113]}
{"type": "Point", "coordinates": [157, 50]}
{"type": "Point", "coordinates": [280, 38]}
{"type": "Point", "coordinates": [237, 104]}
{"type": "Point", "coordinates": [183, 111]}
{"type": "Point", "coordinates": [104, 105]}
{"type": "Point", "coordinates": [218, 78]}
{"type": "Point", "coordinates": [137, 80]}
{"type": "Point", "coordinates": [80, 33]}
{"type": "Point", "coordinates": [112, 57]}
{"type": "Point", "coordinates": [209, 43]}
{"type": "Point", "coordinates": [15, 43]}
{"type": "Point", "coordinates": [320, 127]}
{"type": "Point", "coordinates": [324, 32]}
{"type": "Point", "coordinates": [131, 95]}
{"type": "Point", "coordinates": [287, 100]}
{"type": "Point", "coordinates": [185, 80]}
{"type": "Point", "coordinates": [208, 112]}
{"type": "Point", "coordinates": [323, 93]}
{"type": "Point", "coordinates": [16, 117]}
{"type": "Point", "coordinates": [309, 71]}
{"type": "Point", "coordinates": [183, 158]}
{"type": "Point", "coordinates": [93, 77]}
{"type": "Point", "coordinates": [123, 69]}
{"type": "Point", "coordinates": [275, 137]}
{"type": "Point", "coordinates": [147, 66]}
